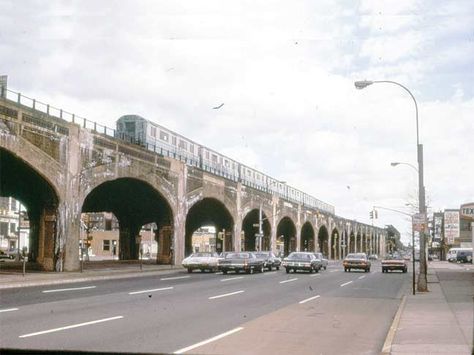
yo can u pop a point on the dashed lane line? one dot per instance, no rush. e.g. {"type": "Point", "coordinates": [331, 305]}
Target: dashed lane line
{"type": "Point", "coordinates": [289, 280]}
{"type": "Point", "coordinates": [210, 340]}
{"type": "Point", "coordinates": [346, 283]}
{"type": "Point", "coordinates": [153, 290]}
{"type": "Point", "coordinates": [232, 278]}
{"type": "Point", "coordinates": [175, 278]}
{"type": "Point", "coordinates": [313, 275]}
{"type": "Point", "coordinates": [309, 299]}
{"type": "Point", "coordinates": [70, 327]}
{"type": "Point", "coordinates": [69, 289]}
{"type": "Point", "coordinates": [226, 294]}
{"type": "Point", "coordinates": [8, 310]}
{"type": "Point", "coordinates": [361, 277]}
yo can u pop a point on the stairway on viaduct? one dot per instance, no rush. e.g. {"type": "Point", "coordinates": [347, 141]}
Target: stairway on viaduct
{"type": "Point", "coordinates": [59, 166]}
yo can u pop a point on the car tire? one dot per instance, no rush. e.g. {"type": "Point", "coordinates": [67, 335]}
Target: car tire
{"type": "Point", "coordinates": [190, 270]}
{"type": "Point", "coordinates": [325, 267]}
{"type": "Point", "coordinates": [287, 270]}
{"type": "Point", "coordinates": [311, 270]}
{"type": "Point", "coordinates": [405, 270]}
{"type": "Point", "coordinates": [278, 268]}
{"type": "Point", "coordinates": [224, 272]}
{"type": "Point", "coordinates": [317, 269]}
{"type": "Point", "coordinates": [261, 269]}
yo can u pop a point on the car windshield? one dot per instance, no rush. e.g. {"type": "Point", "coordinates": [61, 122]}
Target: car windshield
{"type": "Point", "coordinates": [202, 255]}
{"type": "Point", "coordinates": [355, 256]}
{"type": "Point", "coordinates": [262, 254]}
{"type": "Point", "coordinates": [393, 257]}
{"type": "Point", "coordinates": [238, 256]}
{"type": "Point", "coordinates": [300, 256]}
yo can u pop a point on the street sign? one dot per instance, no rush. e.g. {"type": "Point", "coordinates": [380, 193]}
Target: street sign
{"type": "Point", "coordinates": [256, 225]}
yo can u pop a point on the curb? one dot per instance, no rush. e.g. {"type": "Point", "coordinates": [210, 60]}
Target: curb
{"type": "Point", "coordinates": [387, 345]}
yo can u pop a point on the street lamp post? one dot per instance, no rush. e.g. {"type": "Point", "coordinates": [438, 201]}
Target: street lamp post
{"type": "Point", "coordinates": [422, 280]}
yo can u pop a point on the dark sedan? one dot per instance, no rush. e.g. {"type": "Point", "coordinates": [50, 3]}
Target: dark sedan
{"type": "Point", "coordinates": [241, 261]}
{"type": "Point", "coordinates": [301, 261]}
{"type": "Point", "coordinates": [270, 261]}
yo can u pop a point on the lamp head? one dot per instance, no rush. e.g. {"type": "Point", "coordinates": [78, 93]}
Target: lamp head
{"type": "Point", "coordinates": [395, 163]}
{"type": "Point", "coordinates": [362, 84]}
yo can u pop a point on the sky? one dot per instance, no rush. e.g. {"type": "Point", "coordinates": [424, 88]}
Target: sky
{"type": "Point", "coordinates": [285, 72]}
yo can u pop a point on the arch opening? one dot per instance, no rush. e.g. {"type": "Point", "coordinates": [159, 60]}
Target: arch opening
{"type": "Point", "coordinates": [134, 215]}
{"type": "Point", "coordinates": [250, 229]}
{"type": "Point", "coordinates": [286, 236]}
{"type": "Point", "coordinates": [307, 238]}
{"type": "Point", "coordinates": [323, 240]}
{"type": "Point", "coordinates": [212, 215]}
{"type": "Point", "coordinates": [39, 201]}
{"type": "Point", "coordinates": [335, 243]}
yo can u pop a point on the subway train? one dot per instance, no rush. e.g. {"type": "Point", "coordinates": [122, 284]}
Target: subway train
{"type": "Point", "coordinates": [138, 130]}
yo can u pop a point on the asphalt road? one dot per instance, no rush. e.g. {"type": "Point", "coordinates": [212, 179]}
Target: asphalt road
{"type": "Point", "coordinates": [341, 312]}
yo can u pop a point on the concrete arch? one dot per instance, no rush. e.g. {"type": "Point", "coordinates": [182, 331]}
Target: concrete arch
{"type": "Point", "coordinates": [210, 211]}
{"type": "Point", "coordinates": [286, 236]}
{"type": "Point", "coordinates": [31, 186]}
{"type": "Point", "coordinates": [308, 240]}
{"type": "Point", "coordinates": [135, 203]}
{"type": "Point", "coordinates": [250, 229]}
{"type": "Point", "coordinates": [323, 240]}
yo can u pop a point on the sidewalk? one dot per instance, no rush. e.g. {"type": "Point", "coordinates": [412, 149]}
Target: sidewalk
{"type": "Point", "coordinates": [439, 321]}
{"type": "Point", "coordinates": [11, 278]}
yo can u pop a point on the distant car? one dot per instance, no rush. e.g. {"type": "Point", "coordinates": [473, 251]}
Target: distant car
{"type": "Point", "coordinates": [373, 257]}
{"type": "Point", "coordinates": [301, 261]}
{"type": "Point", "coordinates": [241, 261]}
{"type": "Point", "coordinates": [270, 260]}
{"type": "Point", "coordinates": [201, 261]}
{"type": "Point", "coordinates": [324, 261]}
{"type": "Point", "coordinates": [356, 261]}
{"type": "Point", "coordinates": [464, 256]}
{"type": "Point", "coordinates": [4, 256]}
{"type": "Point", "coordinates": [394, 262]}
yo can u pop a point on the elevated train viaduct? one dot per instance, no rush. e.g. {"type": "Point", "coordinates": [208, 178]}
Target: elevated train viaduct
{"type": "Point", "coordinates": [59, 166]}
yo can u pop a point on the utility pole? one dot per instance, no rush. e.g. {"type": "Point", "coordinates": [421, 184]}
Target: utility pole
{"type": "Point", "coordinates": [260, 229]}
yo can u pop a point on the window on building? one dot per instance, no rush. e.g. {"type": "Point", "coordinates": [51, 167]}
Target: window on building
{"type": "Point", "coordinates": [153, 132]}
{"type": "Point", "coordinates": [14, 205]}
{"type": "Point", "coordinates": [108, 224]}
{"type": "Point", "coordinates": [191, 148]}
{"type": "Point", "coordinates": [13, 228]}
{"type": "Point", "coordinates": [4, 229]}
{"type": "Point", "coordinates": [183, 144]}
{"type": "Point", "coordinates": [106, 245]}
{"type": "Point", "coordinates": [173, 140]}
{"type": "Point", "coordinates": [4, 203]}
{"type": "Point", "coordinates": [214, 158]}
{"type": "Point", "coordinates": [164, 136]}
{"type": "Point", "coordinates": [207, 155]}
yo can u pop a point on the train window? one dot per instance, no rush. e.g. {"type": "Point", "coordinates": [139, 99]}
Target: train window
{"type": "Point", "coordinates": [173, 140]}
{"type": "Point", "coordinates": [153, 132]}
{"type": "Point", "coordinates": [183, 144]}
{"type": "Point", "coordinates": [191, 148]}
{"type": "Point", "coordinates": [214, 158]}
{"type": "Point", "coordinates": [207, 155]}
{"type": "Point", "coordinates": [130, 127]}
{"type": "Point", "coordinates": [226, 163]}
{"type": "Point", "coordinates": [164, 136]}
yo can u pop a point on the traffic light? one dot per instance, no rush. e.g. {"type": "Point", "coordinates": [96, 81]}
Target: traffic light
{"type": "Point", "coordinates": [371, 214]}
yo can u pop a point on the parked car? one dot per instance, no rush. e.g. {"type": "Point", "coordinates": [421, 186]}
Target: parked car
{"type": "Point", "coordinates": [270, 260]}
{"type": "Point", "coordinates": [241, 261]}
{"type": "Point", "coordinates": [464, 256]}
{"type": "Point", "coordinates": [356, 261]}
{"type": "Point", "coordinates": [394, 262]}
{"type": "Point", "coordinates": [4, 256]}
{"type": "Point", "coordinates": [201, 261]}
{"type": "Point", "coordinates": [323, 260]}
{"type": "Point", "coordinates": [301, 261]}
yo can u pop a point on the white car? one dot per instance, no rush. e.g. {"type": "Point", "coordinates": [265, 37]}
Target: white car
{"type": "Point", "coordinates": [201, 261]}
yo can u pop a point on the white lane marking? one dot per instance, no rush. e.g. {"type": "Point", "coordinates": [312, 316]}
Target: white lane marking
{"type": "Point", "coordinates": [154, 290]}
{"type": "Point", "coordinates": [232, 278]}
{"type": "Point", "coordinates": [226, 294]}
{"type": "Point", "coordinates": [8, 310]}
{"type": "Point", "coordinates": [210, 340]}
{"type": "Point", "coordinates": [361, 277]}
{"type": "Point", "coordinates": [314, 275]}
{"type": "Point", "coordinates": [347, 283]}
{"type": "Point", "coordinates": [69, 289]}
{"type": "Point", "coordinates": [219, 273]}
{"type": "Point", "coordinates": [333, 270]}
{"type": "Point", "coordinates": [289, 280]}
{"type": "Point", "coordinates": [309, 299]}
{"type": "Point", "coordinates": [175, 278]}
{"type": "Point", "coordinates": [70, 327]}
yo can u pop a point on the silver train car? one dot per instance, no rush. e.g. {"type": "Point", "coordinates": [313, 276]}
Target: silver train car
{"type": "Point", "coordinates": [138, 130]}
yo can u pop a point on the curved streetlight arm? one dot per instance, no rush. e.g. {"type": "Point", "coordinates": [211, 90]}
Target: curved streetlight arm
{"type": "Point", "coordinates": [402, 163]}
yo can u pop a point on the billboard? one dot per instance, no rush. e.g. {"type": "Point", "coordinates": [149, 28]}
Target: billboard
{"type": "Point", "coordinates": [451, 226]}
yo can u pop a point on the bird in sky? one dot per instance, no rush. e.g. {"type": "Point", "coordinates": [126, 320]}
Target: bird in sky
{"type": "Point", "coordinates": [218, 107]}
